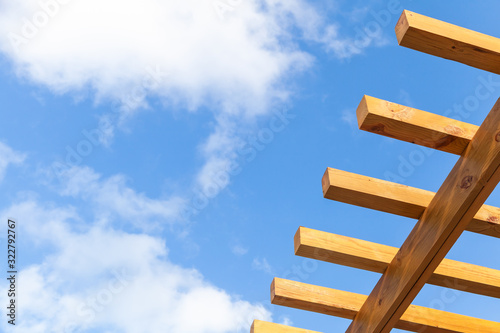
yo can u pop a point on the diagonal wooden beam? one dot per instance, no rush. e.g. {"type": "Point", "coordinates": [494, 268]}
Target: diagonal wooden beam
{"type": "Point", "coordinates": [260, 326]}
{"type": "Point", "coordinates": [375, 257]}
{"type": "Point", "coordinates": [346, 305]}
{"type": "Point", "coordinates": [448, 41]}
{"type": "Point", "coordinates": [396, 199]}
{"type": "Point", "coordinates": [462, 194]}
{"type": "Point", "coordinates": [413, 125]}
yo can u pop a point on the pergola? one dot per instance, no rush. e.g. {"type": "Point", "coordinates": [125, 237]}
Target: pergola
{"type": "Point", "coordinates": [458, 205]}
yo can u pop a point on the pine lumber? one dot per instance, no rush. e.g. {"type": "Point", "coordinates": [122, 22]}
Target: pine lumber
{"type": "Point", "coordinates": [445, 40]}
{"type": "Point", "coordinates": [345, 304]}
{"type": "Point", "coordinates": [375, 257]}
{"type": "Point", "coordinates": [398, 199]}
{"type": "Point", "coordinates": [413, 125]}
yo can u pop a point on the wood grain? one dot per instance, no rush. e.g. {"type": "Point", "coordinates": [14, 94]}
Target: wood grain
{"type": "Point", "coordinates": [445, 40]}
{"type": "Point", "coordinates": [397, 199]}
{"type": "Point", "coordinates": [413, 125]}
{"type": "Point", "coordinates": [462, 194]}
{"type": "Point", "coordinates": [346, 305]}
{"type": "Point", "coordinates": [375, 257]}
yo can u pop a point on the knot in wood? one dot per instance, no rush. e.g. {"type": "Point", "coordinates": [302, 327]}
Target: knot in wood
{"type": "Point", "coordinates": [497, 137]}
{"type": "Point", "coordinates": [492, 219]}
{"type": "Point", "coordinates": [379, 128]}
{"type": "Point", "coordinates": [466, 182]}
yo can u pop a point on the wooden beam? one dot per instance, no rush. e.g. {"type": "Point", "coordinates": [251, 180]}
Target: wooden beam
{"type": "Point", "coordinates": [260, 326]}
{"type": "Point", "coordinates": [375, 193]}
{"type": "Point", "coordinates": [374, 257]}
{"type": "Point", "coordinates": [413, 125]}
{"type": "Point", "coordinates": [462, 194]}
{"type": "Point", "coordinates": [346, 305]}
{"type": "Point", "coordinates": [448, 41]}
{"type": "Point", "coordinates": [396, 199]}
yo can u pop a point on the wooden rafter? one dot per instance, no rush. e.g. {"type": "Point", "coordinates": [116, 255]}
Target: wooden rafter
{"type": "Point", "coordinates": [413, 125]}
{"type": "Point", "coordinates": [462, 194]}
{"type": "Point", "coordinates": [396, 199]}
{"type": "Point", "coordinates": [260, 326]}
{"type": "Point", "coordinates": [346, 305]}
{"type": "Point", "coordinates": [374, 257]}
{"type": "Point", "coordinates": [448, 41]}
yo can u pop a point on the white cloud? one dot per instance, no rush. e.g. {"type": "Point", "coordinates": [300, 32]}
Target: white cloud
{"type": "Point", "coordinates": [179, 50]}
{"type": "Point", "coordinates": [7, 157]}
{"type": "Point", "coordinates": [112, 198]}
{"type": "Point", "coordinates": [107, 280]}
{"type": "Point", "coordinates": [186, 53]}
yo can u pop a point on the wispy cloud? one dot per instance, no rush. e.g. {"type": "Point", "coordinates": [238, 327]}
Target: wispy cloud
{"type": "Point", "coordinates": [348, 116]}
{"type": "Point", "coordinates": [239, 250]}
{"type": "Point", "coordinates": [262, 265]}
{"type": "Point", "coordinates": [112, 198]}
{"type": "Point", "coordinates": [405, 97]}
{"type": "Point", "coordinates": [7, 157]}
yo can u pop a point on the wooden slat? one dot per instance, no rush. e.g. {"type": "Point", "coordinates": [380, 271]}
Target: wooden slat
{"type": "Point", "coordinates": [413, 125]}
{"type": "Point", "coordinates": [396, 199]}
{"type": "Point", "coordinates": [462, 194]}
{"type": "Point", "coordinates": [346, 305]}
{"type": "Point", "coordinates": [375, 194]}
{"type": "Point", "coordinates": [374, 257]}
{"type": "Point", "coordinates": [260, 326]}
{"type": "Point", "coordinates": [448, 41]}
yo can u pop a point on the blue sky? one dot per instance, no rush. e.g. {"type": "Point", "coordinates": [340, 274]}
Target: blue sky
{"type": "Point", "coordinates": [159, 156]}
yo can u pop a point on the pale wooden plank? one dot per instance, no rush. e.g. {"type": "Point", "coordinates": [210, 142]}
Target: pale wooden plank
{"type": "Point", "coordinates": [448, 41]}
{"type": "Point", "coordinates": [260, 326]}
{"type": "Point", "coordinates": [413, 125]}
{"type": "Point", "coordinates": [396, 199]}
{"type": "Point", "coordinates": [346, 305]}
{"type": "Point", "coordinates": [462, 194]}
{"type": "Point", "coordinates": [375, 193]}
{"type": "Point", "coordinates": [375, 257]}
